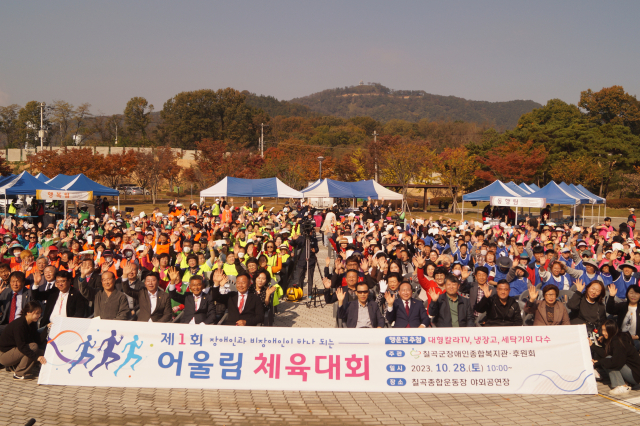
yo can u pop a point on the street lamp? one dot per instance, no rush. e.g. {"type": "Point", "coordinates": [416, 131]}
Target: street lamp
{"type": "Point", "coordinates": [320, 160]}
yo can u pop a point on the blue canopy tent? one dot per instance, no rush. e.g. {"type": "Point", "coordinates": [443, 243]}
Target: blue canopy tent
{"type": "Point", "coordinates": [41, 177]}
{"type": "Point", "coordinates": [526, 188]}
{"type": "Point", "coordinates": [599, 200]}
{"type": "Point", "coordinates": [495, 189]}
{"type": "Point", "coordinates": [5, 179]}
{"type": "Point", "coordinates": [60, 180]}
{"type": "Point", "coordinates": [554, 194]}
{"type": "Point", "coordinates": [534, 187]}
{"type": "Point", "coordinates": [328, 188]}
{"type": "Point", "coordinates": [516, 188]}
{"type": "Point", "coordinates": [80, 182]}
{"type": "Point", "coordinates": [236, 187]}
{"type": "Point", "coordinates": [576, 194]}
{"type": "Point", "coordinates": [22, 184]}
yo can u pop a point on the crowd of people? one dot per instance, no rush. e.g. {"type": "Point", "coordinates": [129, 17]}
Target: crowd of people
{"type": "Point", "coordinates": [223, 264]}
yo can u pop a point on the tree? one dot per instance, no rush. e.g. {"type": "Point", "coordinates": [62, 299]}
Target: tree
{"type": "Point", "coordinates": [61, 117]}
{"type": "Point", "coordinates": [68, 161]}
{"type": "Point", "coordinates": [406, 161]}
{"type": "Point", "coordinates": [612, 105]}
{"type": "Point", "coordinates": [153, 168]}
{"type": "Point", "coordinates": [117, 166]}
{"type": "Point", "coordinates": [81, 115]}
{"type": "Point", "coordinates": [512, 161]}
{"type": "Point", "coordinates": [105, 127]}
{"type": "Point", "coordinates": [190, 117]}
{"type": "Point", "coordinates": [577, 169]}
{"type": "Point", "coordinates": [5, 169]}
{"type": "Point", "coordinates": [137, 116]}
{"type": "Point", "coordinates": [29, 124]}
{"type": "Point", "coordinates": [9, 124]}
{"type": "Point", "coordinates": [457, 171]}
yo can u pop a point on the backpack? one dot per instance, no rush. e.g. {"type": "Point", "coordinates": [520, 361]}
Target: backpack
{"type": "Point", "coordinates": [294, 294]}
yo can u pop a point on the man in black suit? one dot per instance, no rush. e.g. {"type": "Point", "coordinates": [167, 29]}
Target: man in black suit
{"type": "Point", "coordinates": [243, 308]}
{"type": "Point", "coordinates": [361, 313]}
{"type": "Point", "coordinates": [406, 312]}
{"type": "Point", "coordinates": [13, 298]}
{"type": "Point", "coordinates": [62, 300]}
{"type": "Point", "coordinates": [450, 309]}
{"type": "Point", "coordinates": [198, 306]}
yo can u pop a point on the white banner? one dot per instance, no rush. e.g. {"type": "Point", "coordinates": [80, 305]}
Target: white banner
{"type": "Point", "coordinates": [538, 203]}
{"type": "Point", "coordinates": [64, 195]}
{"type": "Point", "coordinates": [524, 360]}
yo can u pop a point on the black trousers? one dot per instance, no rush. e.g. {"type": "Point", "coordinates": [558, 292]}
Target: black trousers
{"type": "Point", "coordinates": [301, 268]}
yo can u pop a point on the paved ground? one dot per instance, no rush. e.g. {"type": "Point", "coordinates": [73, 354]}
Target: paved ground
{"type": "Point", "coordinates": [58, 405]}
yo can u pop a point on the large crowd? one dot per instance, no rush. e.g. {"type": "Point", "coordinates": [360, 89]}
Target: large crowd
{"type": "Point", "coordinates": [222, 264]}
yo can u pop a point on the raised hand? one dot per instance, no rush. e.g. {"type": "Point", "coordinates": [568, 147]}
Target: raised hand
{"type": "Point", "coordinates": [612, 290]}
{"type": "Point", "coordinates": [326, 282]}
{"type": "Point", "coordinates": [156, 262]}
{"type": "Point", "coordinates": [389, 298]}
{"type": "Point", "coordinates": [218, 275]}
{"type": "Point", "coordinates": [340, 294]}
{"type": "Point", "coordinates": [36, 277]}
{"type": "Point", "coordinates": [579, 285]}
{"type": "Point", "coordinates": [533, 293]}
{"type": "Point", "coordinates": [383, 286]}
{"type": "Point", "coordinates": [174, 274]}
{"type": "Point", "coordinates": [105, 267]}
{"type": "Point", "coordinates": [418, 261]}
{"type": "Point", "coordinates": [128, 268]}
{"type": "Point", "coordinates": [485, 289]}
{"type": "Point", "coordinates": [433, 295]}
{"type": "Point", "coordinates": [364, 265]}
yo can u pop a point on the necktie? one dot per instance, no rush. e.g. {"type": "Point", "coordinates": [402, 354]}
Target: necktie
{"type": "Point", "coordinates": [14, 304]}
{"type": "Point", "coordinates": [241, 304]}
{"type": "Point", "coordinates": [61, 303]}
{"type": "Point", "coordinates": [406, 308]}
{"type": "Point", "coordinates": [197, 300]}
{"type": "Point", "coordinates": [49, 286]}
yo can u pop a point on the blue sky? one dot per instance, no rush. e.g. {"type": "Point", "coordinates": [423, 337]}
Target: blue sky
{"type": "Point", "coordinates": [105, 52]}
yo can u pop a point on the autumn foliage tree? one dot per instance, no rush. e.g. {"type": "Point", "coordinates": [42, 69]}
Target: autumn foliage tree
{"type": "Point", "coordinates": [117, 166]}
{"type": "Point", "coordinates": [456, 168]}
{"type": "Point", "coordinates": [68, 162]}
{"type": "Point", "coordinates": [153, 168]}
{"type": "Point", "coordinates": [612, 105]}
{"type": "Point", "coordinates": [512, 161]}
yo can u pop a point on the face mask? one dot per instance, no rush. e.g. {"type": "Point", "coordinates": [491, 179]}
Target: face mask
{"type": "Point", "coordinates": [108, 259]}
{"type": "Point", "coordinates": [457, 272]}
{"type": "Point", "coordinates": [501, 244]}
{"type": "Point", "coordinates": [240, 255]}
{"type": "Point", "coordinates": [186, 249]}
{"type": "Point", "coordinates": [128, 254]}
{"type": "Point", "coordinates": [483, 252]}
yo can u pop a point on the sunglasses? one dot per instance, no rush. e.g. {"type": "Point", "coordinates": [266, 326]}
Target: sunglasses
{"type": "Point", "coordinates": [362, 292]}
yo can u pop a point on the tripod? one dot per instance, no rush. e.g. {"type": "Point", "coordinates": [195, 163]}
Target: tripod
{"type": "Point", "coordinates": [314, 296]}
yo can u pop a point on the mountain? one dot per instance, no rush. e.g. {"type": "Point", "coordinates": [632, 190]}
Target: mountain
{"type": "Point", "coordinates": [274, 107]}
{"type": "Point", "coordinates": [384, 104]}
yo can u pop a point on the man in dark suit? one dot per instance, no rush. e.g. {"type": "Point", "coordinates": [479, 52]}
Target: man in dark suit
{"type": "Point", "coordinates": [243, 308]}
{"type": "Point", "coordinates": [130, 274]}
{"type": "Point", "coordinates": [406, 312]}
{"type": "Point", "coordinates": [361, 313]}
{"type": "Point", "coordinates": [450, 309]}
{"type": "Point", "coordinates": [13, 298]}
{"type": "Point", "coordinates": [198, 306]}
{"type": "Point", "coordinates": [62, 300]}
{"type": "Point", "coordinates": [155, 304]}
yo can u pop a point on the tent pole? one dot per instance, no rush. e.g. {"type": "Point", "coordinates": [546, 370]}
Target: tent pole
{"type": "Point", "coordinates": [516, 217]}
{"type": "Point", "coordinates": [462, 219]}
{"type": "Point", "coordinates": [605, 209]}
{"type": "Point", "coordinates": [118, 202]}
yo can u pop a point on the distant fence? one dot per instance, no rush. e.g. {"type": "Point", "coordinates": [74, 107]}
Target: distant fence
{"type": "Point", "coordinates": [17, 155]}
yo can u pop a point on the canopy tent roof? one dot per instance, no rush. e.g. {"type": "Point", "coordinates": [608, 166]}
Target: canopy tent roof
{"type": "Point", "coordinates": [82, 183]}
{"type": "Point", "coordinates": [42, 177]}
{"type": "Point", "coordinates": [24, 184]}
{"type": "Point", "coordinates": [5, 179]}
{"type": "Point", "coordinates": [556, 195]}
{"type": "Point", "coordinates": [527, 188]}
{"type": "Point", "coordinates": [534, 187]}
{"type": "Point", "coordinates": [576, 193]}
{"type": "Point", "coordinates": [236, 187]}
{"type": "Point", "coordinates": [585, 191]}
{"type": "Point", "coordinates": [328, 188]}
{"type": "Point", "coordinates": [496, 189]}
{"type": "Point", "coordinates": [517, 189]}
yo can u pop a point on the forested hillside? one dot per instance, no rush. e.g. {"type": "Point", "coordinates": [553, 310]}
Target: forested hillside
{"type": "Point", "coordinates": [383, 104]}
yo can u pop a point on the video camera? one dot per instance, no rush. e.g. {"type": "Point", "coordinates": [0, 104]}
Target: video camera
{"type": "Point", "coordinates": [308, 227]}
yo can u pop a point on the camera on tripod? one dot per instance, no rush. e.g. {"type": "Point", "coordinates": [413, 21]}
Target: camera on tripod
{"type": "Point", "coordinates": [308, 227]}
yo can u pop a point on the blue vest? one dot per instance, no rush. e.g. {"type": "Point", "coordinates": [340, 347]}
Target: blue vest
{"type": "Point", "coordinates": [563, 283]}
{"type": "Point", "coordinates": [622, 285]}
{"type": "Point", "coordinates": [519, 286]}
{"type": "Point", "coordinates": [463, 261]}
{"type": "Point", "coordinates": [607, 279]}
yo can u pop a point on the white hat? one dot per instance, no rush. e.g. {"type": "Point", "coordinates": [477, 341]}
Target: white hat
{"type": "Point", "coordinates": [486, 227]}
{"type": "Point", "coordinates": [136, 218]}
{"type": "Point", "coordinates": [142, 214]}
{"type": "Point", "coordinates": [179, 205]}
{"type": "Point", "coordinates": [138, 229]}
{"type": "Point", "coordinates": [182, 218]}
{"type": "Point", "coordinates": [140, 247]}
{"type": "Point", "coordinates": [576, 229]}
{"type": "Point", "coordinates": [617, 246]}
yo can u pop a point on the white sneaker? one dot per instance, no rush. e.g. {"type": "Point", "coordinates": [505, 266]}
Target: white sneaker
{"type": "Point", "coordinates": [596, 374]}
{"type": "Point", "coordinates": [620, 390]}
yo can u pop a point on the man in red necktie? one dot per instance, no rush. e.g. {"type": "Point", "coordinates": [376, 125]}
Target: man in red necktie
{"type": "Point", "coordinates": [406, 311]}
{"type": "Point", "coordinates": [244, 308]}
{"type": "Point", "coordinates": [13, 298]}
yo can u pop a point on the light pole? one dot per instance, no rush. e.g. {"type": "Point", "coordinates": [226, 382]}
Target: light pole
{"type": "Point", "coordinates": [41, 132]}
{"type": "Point", "coordinates": [375, 158]}
{"type": "Point", "coordinates": [320, 160]}
{"type": "Point", "coordinates": [262, 126]}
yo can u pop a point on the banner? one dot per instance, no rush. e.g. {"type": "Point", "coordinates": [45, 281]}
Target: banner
{"type": "Point", "coordinates": [64, 195]}
{"type": "Point", "coordinates": [513, 360]}
{"type": "Point", "coordinates": [538, 203]}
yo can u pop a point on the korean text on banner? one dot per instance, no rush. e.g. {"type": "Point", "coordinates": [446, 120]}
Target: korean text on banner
{"type": "Point", "coordinates": [524, 360]}
{"type": "Point", "coordinates": [64, 195]}
{"type": "Point", "coordinates": [538, 203]}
